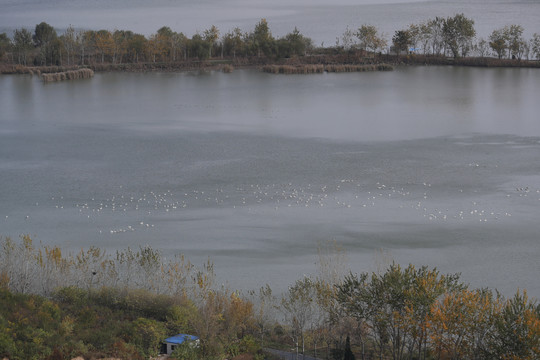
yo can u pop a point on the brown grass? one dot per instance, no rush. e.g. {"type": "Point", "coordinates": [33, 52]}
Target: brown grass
{"type": "Point", "coordinates": [318, 69]}
{"type": "Point", "coordinates": [358, 68]}
{"type": "Point", "coordinates": [68, 75]}
{"type": "Point", "coordinates": [227, 68]}
{"type": "Point", "coordinates": [293, 69]}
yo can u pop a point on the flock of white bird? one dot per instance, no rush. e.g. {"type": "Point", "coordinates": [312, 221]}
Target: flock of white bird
{"type": "Point", "coordinates": [142, 211]}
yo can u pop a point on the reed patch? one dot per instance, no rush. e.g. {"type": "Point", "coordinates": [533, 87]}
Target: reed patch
{"type": "Point", "coordinates": [68, 75]}
{"type": "Point", "coordinates": [319, 69]}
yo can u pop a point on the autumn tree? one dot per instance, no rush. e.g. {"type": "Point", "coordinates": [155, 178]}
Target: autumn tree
{"type": "Point", "coordinates": [498, 41]}
{"type": "Point", "coordinates": [104, 43]}
{"type": "Point", "coordinates": [395, 305]}
{"type": "Point", "coordinates": [460, 322]}
{"type": "Point", "coordinates": [157, 47]}
{"type": "Point", "coordinates": [120, 41]}
{"type": "Point", "coordinates": [174, 42]}
{"type": "Point", "coordinates": [369, 39]}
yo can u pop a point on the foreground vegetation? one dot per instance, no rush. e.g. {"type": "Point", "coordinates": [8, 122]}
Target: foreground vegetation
{"type": "Point", "coordinates": [95, 305]}
{"type": "Point", "coordinates": [431, 41]}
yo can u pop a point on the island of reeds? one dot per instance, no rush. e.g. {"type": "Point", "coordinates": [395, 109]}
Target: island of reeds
{"type": "Point", "coordinates": [92, 304]}
{"type": "Point", "coordinates": [438, 41]}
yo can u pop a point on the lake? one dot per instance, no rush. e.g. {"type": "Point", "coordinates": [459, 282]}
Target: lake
{"type": "Point", "coordinates": [425, 165]}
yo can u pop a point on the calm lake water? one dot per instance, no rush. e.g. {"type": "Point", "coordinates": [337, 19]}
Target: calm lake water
{"type": "Point", "coordinates": [434, 165]}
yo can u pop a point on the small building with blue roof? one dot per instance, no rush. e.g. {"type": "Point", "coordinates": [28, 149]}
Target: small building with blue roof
{"type": "Point", "coordinates": [169, 344]}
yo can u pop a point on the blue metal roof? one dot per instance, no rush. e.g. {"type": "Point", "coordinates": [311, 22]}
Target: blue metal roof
{"type": "Point", "coordinates": [180, 338]}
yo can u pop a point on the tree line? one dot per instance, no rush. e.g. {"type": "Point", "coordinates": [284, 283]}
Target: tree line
{"type": "Point", "coordinates": [82, 47]}
{"type": "Point", "coordinates": [454, 36]}
{"type": "Point", "coordinates": [91, 304]}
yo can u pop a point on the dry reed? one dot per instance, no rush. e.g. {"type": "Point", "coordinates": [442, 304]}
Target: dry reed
{"type": "Point", "coordinates": [292, 69]}
{"type": "Point", "coordinates": [318, 69]}
{"type": "Point", "coordinates": [358, 68]}
{"type": "Point", "coordinates": [68, 75]}
{"type": "Point", "coordinates": [227, 68]}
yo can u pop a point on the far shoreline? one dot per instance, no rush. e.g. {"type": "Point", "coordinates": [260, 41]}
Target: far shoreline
{"type": "Point", "coordinates": [312, 64]}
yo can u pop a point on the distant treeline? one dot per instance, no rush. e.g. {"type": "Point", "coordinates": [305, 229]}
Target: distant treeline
{"type": "Point", "coordinates": [95, 305]}
{"type": "Point", "coordinates": [448, 37]}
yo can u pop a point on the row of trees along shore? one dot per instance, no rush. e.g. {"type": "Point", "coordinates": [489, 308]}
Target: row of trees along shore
{"type": "Point", "coordinates": [453, 37]}
{"type": "Point", "coordinates": [95, 305]}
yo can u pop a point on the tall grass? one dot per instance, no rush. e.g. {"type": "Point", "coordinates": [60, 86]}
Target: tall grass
{"type": "Point", "coordinates": [68, 75]}
{"type": "Point", "coordinates": [358, 68]}
{"type": "Point", "coordinates": [293, 69]}
{"type": "Point", "coordinates": [319, 69]}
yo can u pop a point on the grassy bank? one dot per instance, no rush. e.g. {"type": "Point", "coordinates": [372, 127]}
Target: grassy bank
{"type": "Point", "coordinates": [314, 64]}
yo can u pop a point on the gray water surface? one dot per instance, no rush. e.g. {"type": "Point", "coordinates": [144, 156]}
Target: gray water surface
{"type": "Point", "coordinates": [435, 165]}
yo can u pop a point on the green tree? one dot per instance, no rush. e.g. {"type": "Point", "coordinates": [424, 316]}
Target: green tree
{"type": "Point", "coordinates": [517, 330]}
{"type": "Point", "coordinates": [188, 350]}
{"type": "Point", "coordinates": [293, 44]}
{"type": "Point", "coordinates": [199, 48]}
{"type": "Point", "coordinates": [262, 41]}
{"type": "Point", "coordinates": [5, 44]}
{"type": "Point", "coordinates": [147, 335]}
{"type": "Point", "coordinates": [22, 45]}
{"type": "Point", "coordinates": [233, 42]}
{"type": "Point", "coordinates": [43, 34]}
{"type": "Point", "coordinates": [135, 47]}
{"type": "Point", "coordinates": [45, 39]}
{"type": "Point", "coordinates": [401, 41]}
{"type": "Point", "coordinates": [458, 33]}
